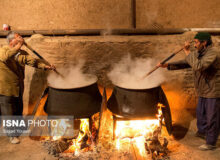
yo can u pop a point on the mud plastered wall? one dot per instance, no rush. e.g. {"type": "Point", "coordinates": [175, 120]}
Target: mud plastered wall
{"type": "Point", "coordinates": [65, 14]}
{"type": "Point", "coordinates": [101, 53]}
{"type": "Point", "coordinates": [178, 14]}
{"type": "Point", "coordinates": [96, 14]}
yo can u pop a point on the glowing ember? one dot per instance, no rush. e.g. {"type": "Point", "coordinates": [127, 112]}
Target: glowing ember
{"type": "Point", "coordinates": [135, 128]}
{"type": "Point", "coordinates": [134, 133]}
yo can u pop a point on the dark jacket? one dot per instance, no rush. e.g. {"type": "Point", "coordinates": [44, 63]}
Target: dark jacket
{"type": "Point", "coordinates": [206, 69]}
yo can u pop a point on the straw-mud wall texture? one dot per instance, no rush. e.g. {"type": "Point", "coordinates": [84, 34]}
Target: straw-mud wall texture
{"type": "Point", "coordinates": [101, 53]}
{"type": "Point", "coordinates": [108, 14]}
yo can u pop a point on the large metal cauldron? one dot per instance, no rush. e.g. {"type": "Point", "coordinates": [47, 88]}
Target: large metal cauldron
{"type": "Point", "coordinates": [139, 104]}
{"type": "Point", "coordinates": [80, 102]}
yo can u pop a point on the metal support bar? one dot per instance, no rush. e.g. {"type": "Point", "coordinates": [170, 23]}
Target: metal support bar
{"type": "Point", "coordinates": [98, 32]}
{"type": "Point", "coordinates": [92, 32]}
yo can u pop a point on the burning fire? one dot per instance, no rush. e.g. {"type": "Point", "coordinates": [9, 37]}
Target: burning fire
{"type": "Point", "coordinates": [83, 141]}
{"type": "Point", "coordinates": [129, 135]}
{"type": "Point", "coordinates": [160, 114]}
{"type": "Point", "coordinates": [135, 132]}
{"type": "Point", "coordinates": [135, 128]}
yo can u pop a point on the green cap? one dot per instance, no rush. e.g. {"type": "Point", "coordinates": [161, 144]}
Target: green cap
{"type": "Point", "coordinates": [203, 36]}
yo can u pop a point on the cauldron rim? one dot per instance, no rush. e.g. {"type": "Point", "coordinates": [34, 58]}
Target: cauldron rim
{"type": "Point", "coordinates": [72, 88]}
{"type": "Point", "coordinates": [137, 89]}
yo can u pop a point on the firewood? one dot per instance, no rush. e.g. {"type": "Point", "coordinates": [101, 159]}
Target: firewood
{"type": "Point", "coordinates": [155, 148]}
{"type": "Point", "coordinates": [84, 142]}
{"type": "Point", "coordinates": [56, 147]}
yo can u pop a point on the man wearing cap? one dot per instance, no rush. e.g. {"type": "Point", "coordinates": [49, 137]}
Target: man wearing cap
{"type": "Point", "coordinates": [12, 65]}
{"type": "Point", "coordinates": [205, 63]}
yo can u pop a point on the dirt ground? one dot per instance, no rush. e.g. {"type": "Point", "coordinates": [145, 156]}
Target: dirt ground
{"type": "Point", "coordinates": [26, 150]}
{"type": "Point", "coordinates": [183, 146]}
{"type": "Point", "coordinates": [186, 148]}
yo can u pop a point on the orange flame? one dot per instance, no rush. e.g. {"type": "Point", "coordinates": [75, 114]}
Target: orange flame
{"type": "Point", "coordinates": [135, 132]}
{"type": "Point", "coordinates": [128, 134]}
{"type": "Point", "coordinates": [160, 113]}
{"type": "Point", "coordinates": [76, 143]}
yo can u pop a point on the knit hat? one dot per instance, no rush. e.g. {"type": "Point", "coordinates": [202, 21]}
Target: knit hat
{"type": "Point", "coordinates": [203, 36]}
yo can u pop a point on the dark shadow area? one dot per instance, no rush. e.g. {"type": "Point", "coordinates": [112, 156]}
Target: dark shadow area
{"type": "Point", "coordinates": [191, 111]}
{"type": "Point", "coordinates": [184, 120]}
{"type": "Point", "coordinates": [179, 131]}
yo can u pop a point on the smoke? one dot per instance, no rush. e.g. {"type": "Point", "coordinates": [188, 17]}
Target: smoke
{"type": "Point", "coordinates": [129, 73]}
{"type": "Point", "coordinates": [72, 77]}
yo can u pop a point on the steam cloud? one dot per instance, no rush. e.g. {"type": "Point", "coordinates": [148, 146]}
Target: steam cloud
{"type": "Point", "coordinates": [129, 73]}
{"type": "Point", "coordinates": [73, 77]}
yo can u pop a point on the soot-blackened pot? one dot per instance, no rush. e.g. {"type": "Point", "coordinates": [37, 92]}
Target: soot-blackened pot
{"type": "Point", "coordinates": [80, 102]}
{"type": "Point", "coordinates": [139, 104]}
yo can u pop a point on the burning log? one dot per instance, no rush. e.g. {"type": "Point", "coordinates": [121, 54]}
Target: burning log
{"type": "Point", "coordinates": [84, 142]}
{"type": "Point", "coordinates": [95, 127]}
{"type": "Point", "coordinates": [86, 139]}
{"type": "Point", "coordinates": [138, 154]}
{"type": "Point", "coordinates": [155, 148]}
